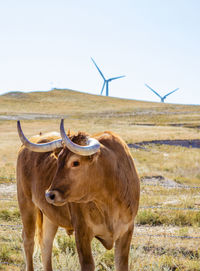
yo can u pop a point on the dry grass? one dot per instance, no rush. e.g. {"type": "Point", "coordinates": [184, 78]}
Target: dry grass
{"type": "Point", "coordinates": [135, 121]}
{"type": "Point", "coordinates": [174, 162]}
{"type": "Point", "coordinates": [147, 253]}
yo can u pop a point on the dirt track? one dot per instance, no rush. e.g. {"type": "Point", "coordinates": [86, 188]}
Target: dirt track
{"type": "Point", "coordinates": [8, 190]}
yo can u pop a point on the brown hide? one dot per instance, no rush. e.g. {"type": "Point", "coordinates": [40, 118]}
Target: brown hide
{"type": "Point", "coordinates": [97, 195]}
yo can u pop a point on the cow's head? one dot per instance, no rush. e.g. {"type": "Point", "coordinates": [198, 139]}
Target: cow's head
{"type": "Point", "coordinates": [74, 177]}
{"type": "Point", "coordinates": [76, 166]}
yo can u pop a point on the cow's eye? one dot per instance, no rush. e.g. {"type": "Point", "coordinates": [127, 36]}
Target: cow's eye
{"type": "Point", "coordinates": [75, 164]}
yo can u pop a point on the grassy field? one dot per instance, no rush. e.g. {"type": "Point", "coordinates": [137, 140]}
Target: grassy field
{"type": "Point", "coordinates": [135, 122]}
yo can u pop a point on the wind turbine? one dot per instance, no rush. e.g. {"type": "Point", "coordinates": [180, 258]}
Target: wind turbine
{"type": "Point", "coordinates": [162, 98]}
{"type": "Point", "coordinates": [106, 81]}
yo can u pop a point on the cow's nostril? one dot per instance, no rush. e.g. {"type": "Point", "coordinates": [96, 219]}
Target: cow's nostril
{"type": "Point", "coordinates": [52, 196]}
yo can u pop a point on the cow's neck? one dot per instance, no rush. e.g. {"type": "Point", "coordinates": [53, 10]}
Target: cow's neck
{"type": "Point", "coordinates": [112, 207]}
{"type": "Point", "coordinates": [115, 194]}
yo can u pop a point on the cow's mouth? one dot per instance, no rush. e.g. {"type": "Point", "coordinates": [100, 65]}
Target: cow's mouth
{"type": "Point", "coordinates": [59, 203]}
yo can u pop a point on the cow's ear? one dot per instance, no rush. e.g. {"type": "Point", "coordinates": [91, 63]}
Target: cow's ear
{"type": "Point", "coordinates": [57, 151]}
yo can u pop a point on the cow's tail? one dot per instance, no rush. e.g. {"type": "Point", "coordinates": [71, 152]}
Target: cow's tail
{"type": "Point", "coordinates": [39, 226]}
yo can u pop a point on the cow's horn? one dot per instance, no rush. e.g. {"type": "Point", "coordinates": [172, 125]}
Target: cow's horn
{"type": "Point", "coordinates": [43, 147]}
{"type": "Point", "coordinates": [91, 148]}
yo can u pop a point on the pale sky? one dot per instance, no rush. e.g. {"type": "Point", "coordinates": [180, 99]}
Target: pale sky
{"type": "Point", "coordinates": [46, 44]}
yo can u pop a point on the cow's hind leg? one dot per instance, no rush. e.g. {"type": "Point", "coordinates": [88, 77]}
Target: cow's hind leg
{"type": "Point", "coordinates": [122, 247]}
{"type": "Point", "coordinates": [28, 214]}
{"type": "Point", "coordinates": [46, 242]}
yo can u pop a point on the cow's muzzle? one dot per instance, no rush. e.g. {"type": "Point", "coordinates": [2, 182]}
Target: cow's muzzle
{"type": "Point", "coordinates": [53, 197]}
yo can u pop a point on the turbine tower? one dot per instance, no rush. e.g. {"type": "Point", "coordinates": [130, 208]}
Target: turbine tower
{"type": "Point", "coordinates": [162, 98]}
{"type": "Point", "coordinates": [106, 81]}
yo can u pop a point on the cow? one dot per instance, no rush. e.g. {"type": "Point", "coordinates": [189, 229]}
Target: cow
{"type": "Point", "coordinates": [87, 185]}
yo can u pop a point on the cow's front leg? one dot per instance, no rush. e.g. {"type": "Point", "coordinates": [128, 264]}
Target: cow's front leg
{"type": "Point", "coordinates": [122, 247]}
{"type": "Point", "coordinates": [48, 233]}
{"type": "Point", "coordinates": [83, 236]}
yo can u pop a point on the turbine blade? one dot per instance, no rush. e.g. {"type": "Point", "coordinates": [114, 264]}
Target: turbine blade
{"type": "Point", "coordinates": [153, 91]}
{"type": "Point", "coordinates": [103, 87]}
{"type": "Point", "coordinates": [171, 92]}
{"type": "Point", "coordinates": [113, 78]}
{"type": "Point", "coordinates": [98, 68]}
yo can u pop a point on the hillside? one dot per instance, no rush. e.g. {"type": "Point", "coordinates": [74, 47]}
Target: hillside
{"type": "Point", "coordinates": [135, 121]}
{"type": "Point", "coordinates": [103, 113]}
{"type": "Point", "coordinates": [75, 103]}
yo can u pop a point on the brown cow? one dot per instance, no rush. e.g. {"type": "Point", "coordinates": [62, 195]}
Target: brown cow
{"type": "Point", "coordinates": [86, 185]}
